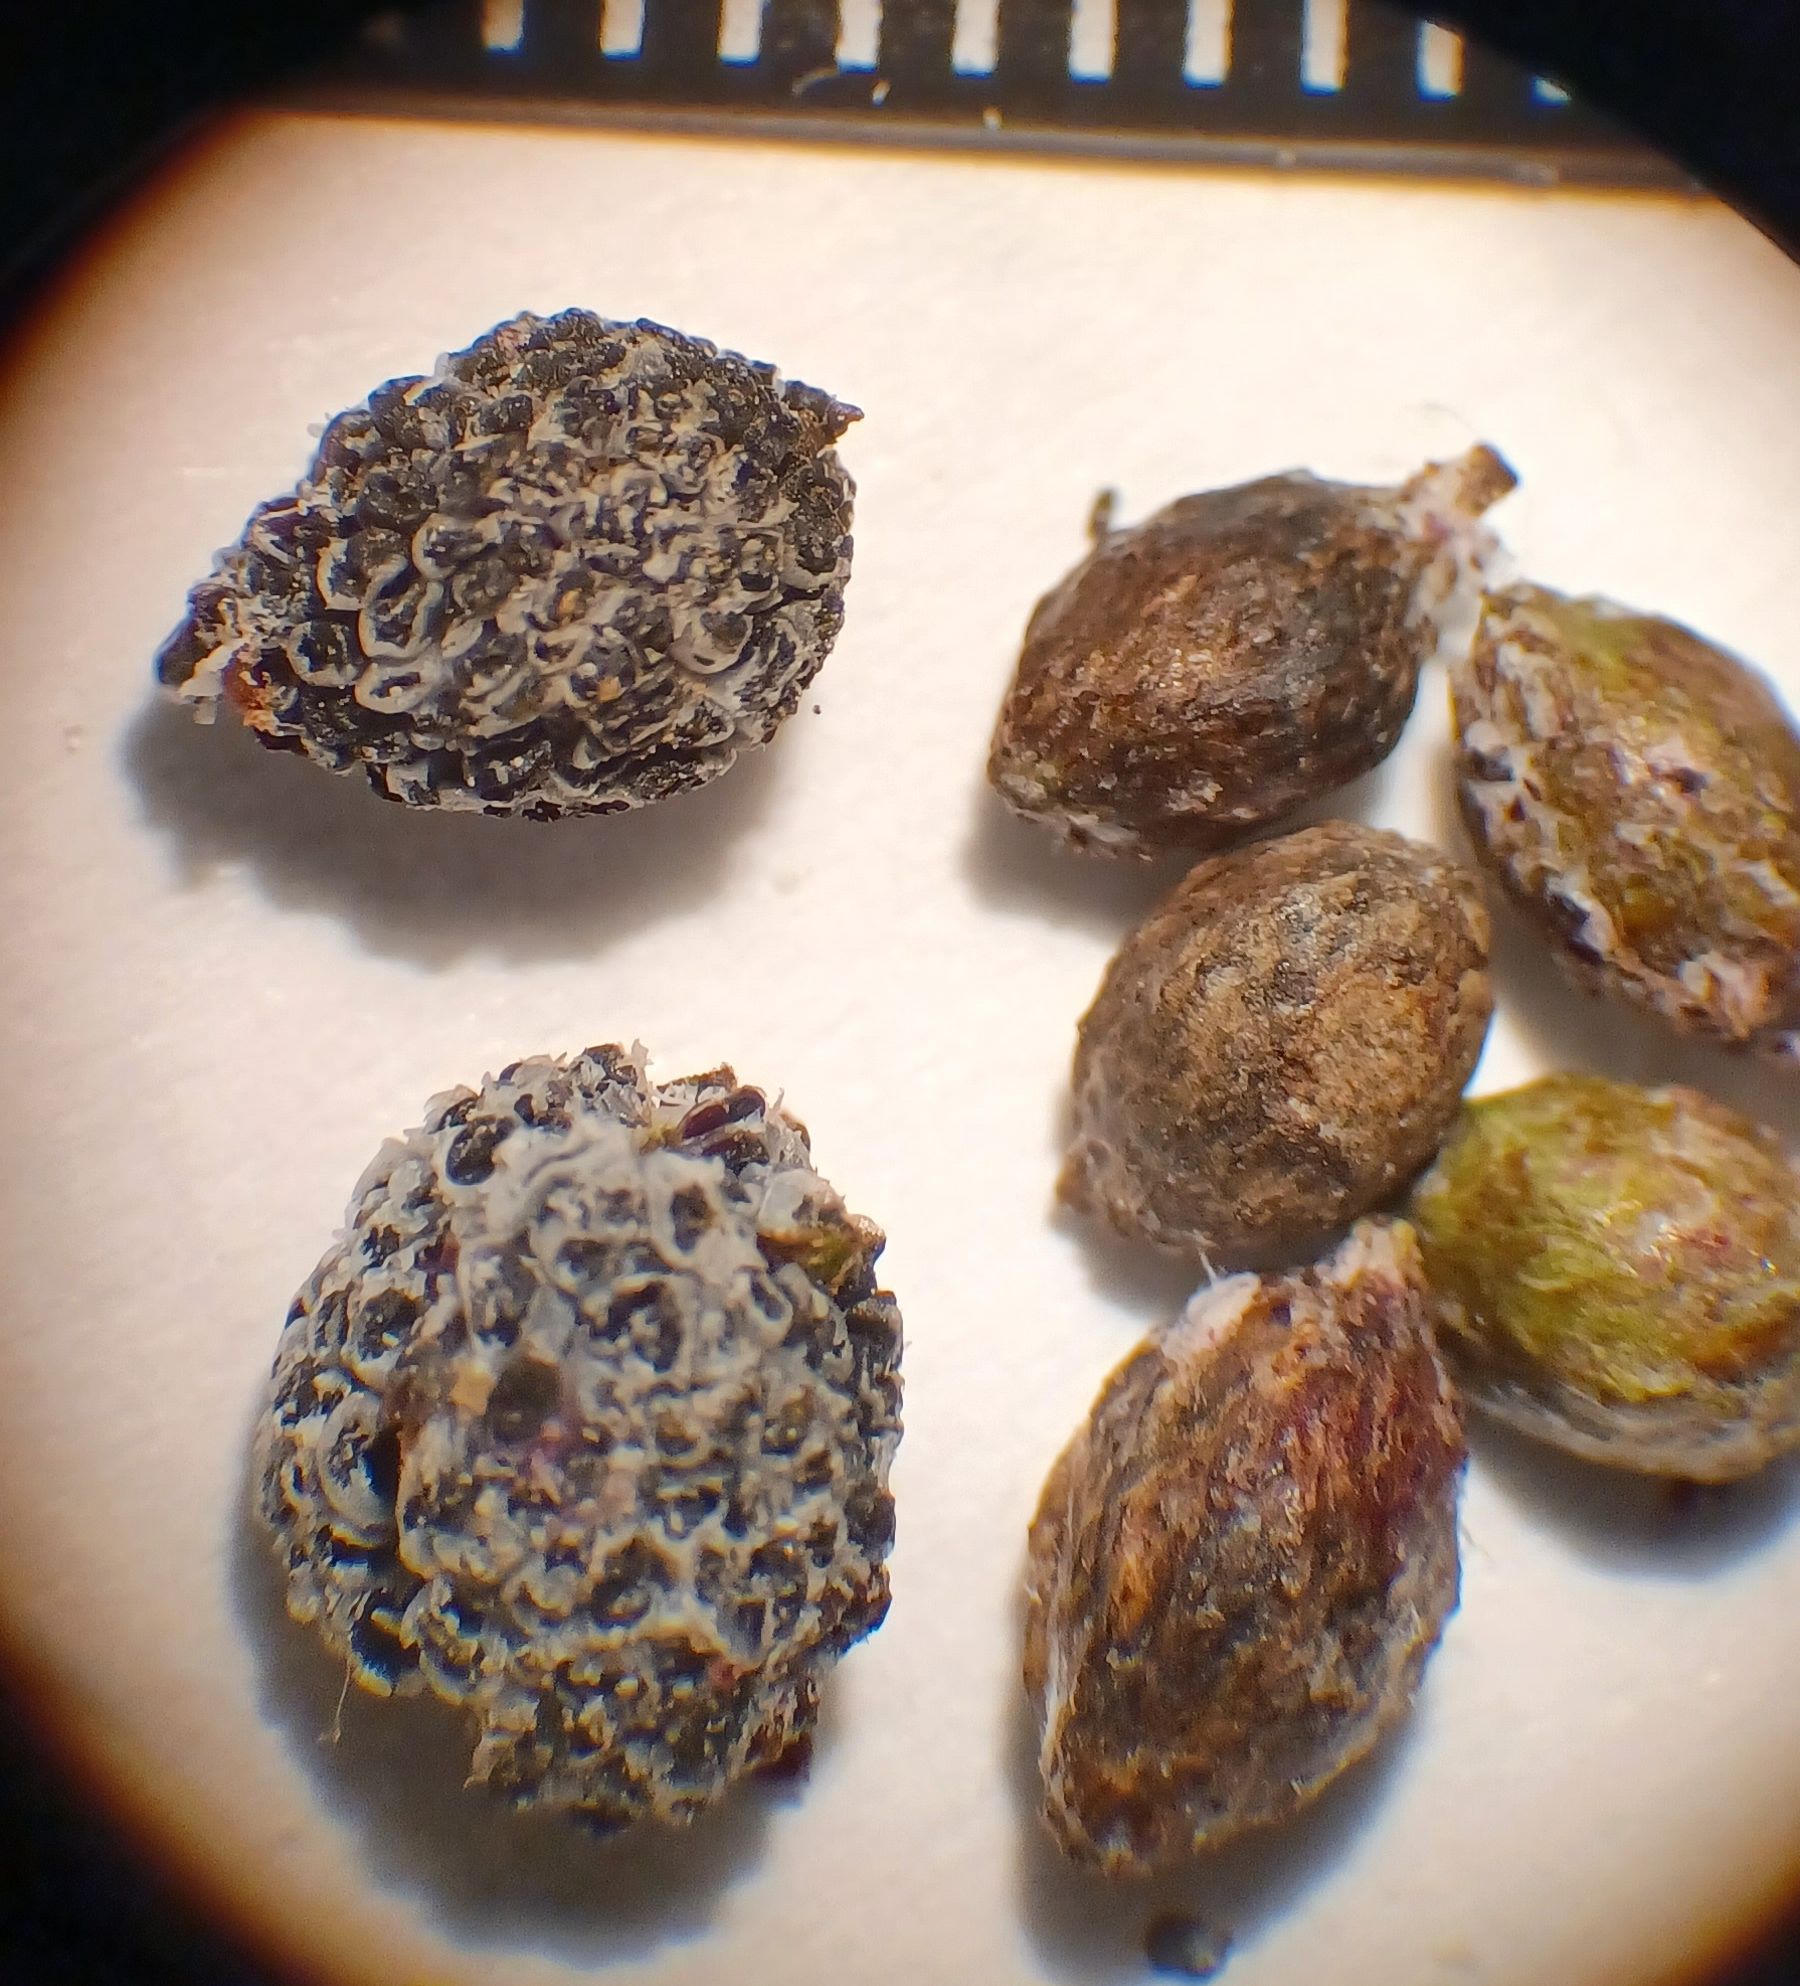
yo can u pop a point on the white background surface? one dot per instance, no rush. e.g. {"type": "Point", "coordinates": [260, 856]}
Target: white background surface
{"type": "Point", "coordinates": [227, 976]}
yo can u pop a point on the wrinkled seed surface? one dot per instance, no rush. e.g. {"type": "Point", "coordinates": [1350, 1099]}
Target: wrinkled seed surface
{"type": "Point", "coordinates": [1241, 1562]}
{"type": "Point", "coordinates": [1280, 1045]}
{"type": "Point", "coordinates": [1241, 652]}
{"type": "Point", "coordinates": [1637, 791]}
{"type": "Point", "coordinates": [584, 1424]}
{"type": "Point", "coordinates": [579, 567]}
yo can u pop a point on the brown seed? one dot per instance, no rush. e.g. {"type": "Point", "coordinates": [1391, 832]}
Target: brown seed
{"type": "Point", "coordinates": [1242, 651]}
{"type": "Point", "coordinates": [1241, 1562]}
{"type": "Point", "coordinates": [1280, 1044]}
{"type": "Point", "coordinates": [1637, 790]}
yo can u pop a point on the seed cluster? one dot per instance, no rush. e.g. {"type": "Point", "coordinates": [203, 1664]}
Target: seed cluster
{"type": "Point", "coordinates": [1242, 1561]}
{"type": "Point", "coordinates": [579, 567]}
{"type": "Point", "coordinates": [584, 1423]}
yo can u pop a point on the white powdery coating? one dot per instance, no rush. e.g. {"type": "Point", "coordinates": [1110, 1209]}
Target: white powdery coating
{"type": "Point", "coordinates": [580, 566]}
{"type": "Point", "coordinates": [1443, 506]}
{"type": "Point", "coordinates": [1208, 1317]}
{"type": "Point", "coordinates": [1512, 808]}
{"type": "Point", "coordinates": [584, 1422]}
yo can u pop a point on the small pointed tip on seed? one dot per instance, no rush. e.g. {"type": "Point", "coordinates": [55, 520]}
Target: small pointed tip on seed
{"type": "Point", "coordinates": [834, 416]}
{"type": "Point", "coordinates": [1072, 1186]}
{"type": "Point", "coordinates": [1185, 1947]}
{"type": "Point", "coordinates": [1467, 484]}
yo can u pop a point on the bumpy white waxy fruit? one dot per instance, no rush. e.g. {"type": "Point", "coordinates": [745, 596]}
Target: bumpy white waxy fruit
{"type": "Point", "coordinates": [584, 1423]}
{"type": "Point", "coordinates": [579, 567]}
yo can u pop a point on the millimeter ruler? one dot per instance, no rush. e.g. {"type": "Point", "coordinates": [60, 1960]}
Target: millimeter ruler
{"type": "Point", "coordinates": [1353, 83]}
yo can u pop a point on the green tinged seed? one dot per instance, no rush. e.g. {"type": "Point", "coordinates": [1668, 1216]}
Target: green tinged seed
{"type": "Point", "coordinates": [1618, 1272]}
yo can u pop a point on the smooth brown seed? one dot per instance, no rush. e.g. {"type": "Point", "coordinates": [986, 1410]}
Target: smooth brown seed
{"type": "Point", "coordinates": [1204, 673]}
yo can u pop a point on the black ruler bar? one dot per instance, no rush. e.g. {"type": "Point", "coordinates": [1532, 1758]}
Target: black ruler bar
{"type": "Point", "coordinates": [561, 39]}
{"type": "Point", "coordinates": [1381, 60]}
{"type": "Point", "coordinates": [1263, 53]}
{"type": "Point", "coordinates": [800, 37]}
{"type": "Point", "coordinates": [1150, 50]}
{"type": "Point", "coordinates": [914, 47]}
{"type": "Point", "coordinates": [679, 53]}
{"type": "Point", "coordinates": [1031, 66]}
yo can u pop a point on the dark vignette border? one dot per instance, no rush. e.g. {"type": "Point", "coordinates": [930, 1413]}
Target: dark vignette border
{"type": "Point", "coordinates": [96, 95]}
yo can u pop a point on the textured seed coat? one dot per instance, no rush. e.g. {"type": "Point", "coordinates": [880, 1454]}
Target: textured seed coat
{"type": "Point", "coordinates": [1619, 1274]}
{"type": "Point", "coordinates": [1241, 652]}
{"type": "Point", "coordinates": [584, 1423]}
{"type": "Point", "coordinates": [1637, 791]}
{"type": "Point", "coordinates": [579, 567]}
{"type": "Point", "coordinates": [1280, 1045]}
{"type": "Point", "coordinates": [1242, 1561]}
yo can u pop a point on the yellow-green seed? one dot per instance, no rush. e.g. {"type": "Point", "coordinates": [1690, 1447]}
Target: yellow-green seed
{"type": "Point", "coordinates": [1618, 1272]}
